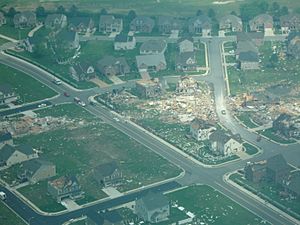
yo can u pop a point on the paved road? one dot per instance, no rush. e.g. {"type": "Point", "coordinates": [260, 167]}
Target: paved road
{"type": "Point", "coordinates": [194, 172]}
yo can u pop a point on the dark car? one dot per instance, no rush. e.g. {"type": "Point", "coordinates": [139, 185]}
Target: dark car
{"type": "Point", "coordinates": [66, 94]}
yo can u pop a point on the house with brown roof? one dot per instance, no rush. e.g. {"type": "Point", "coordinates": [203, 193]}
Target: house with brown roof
{"type": "Point", "coordinates": [153, 47]}
{"type": "Point", "coordinates": [109, 24]}
{"type": "Point", "coordinates": [124, 42]}
{"type": "Point", "coordinates": [231, 23]}
{"type": "Point", "coordinates": [55, 21]}
{"type": "Point", "coordinates": [290, 22]}
{"type": "Point", "coordinates": [200, 129]}
{"type": "Point", "coordinates": [142, 24]}
{"type": "Point", "coordinates": [263, 23]}
{"type": "Point", "coordinates": [108, 174]}
{"type": "Point", "coordinates": [167, 24]}
{"type": "Point", "coordinates": [81, 25]}
{"type": "Point", "coordinates": [110, 65]}
{"type": "Point", "coordinates": [25, 19]}
{"type": "Point", "coordinates": [200, 25]}
{"type": "Point", "coordinates": [277, 169]}
{"type": "Point", "coordinates": [82, 71]}
{"type": "Point", "coordinates": [65, 187]}
{"type": "Point", "coordinates": [2, 19]}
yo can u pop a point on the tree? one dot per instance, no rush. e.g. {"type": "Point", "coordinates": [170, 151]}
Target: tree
{"type": "Point", "coordinates": [60, 9]}
{"type": "Point", "coordinates": [11, 12]}
{"type": "Point", "coordinates": [199, 12]}
{"type": "Point", "coordinates": [284, 11]}
{"type": "Point", "coordinates": [131, 15]}
{"type": "Point", "coordinates": [73, 11]}
{"type": "Point", "coordinates": [211, 13]}
{"type": "Point", "coordinates": [40, 11]}
{"type": "Point", "coordinates": [233, 13]}
{"type": "Point", "coordinates": [103, 12]}
{"type": "Point", "coordinates": [275, 7]}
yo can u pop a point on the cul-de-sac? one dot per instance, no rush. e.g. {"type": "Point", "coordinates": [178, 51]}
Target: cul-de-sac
{"type": "Point", "coordinates": [168, 112]}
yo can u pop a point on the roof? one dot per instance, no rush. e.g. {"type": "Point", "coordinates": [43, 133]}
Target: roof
{"type": "Point", "coordinates": [245, 46]}
{"type": "Point", "coordinates": [52, 17]}
{"type": "Point", "coordinates": [219, 136]}
{"type": "Point", "coordinates": [5, 137]}
{"type": "Point", "coordinates": [81, 67]}
{"type": "Point", "coordinates": [110, 61]}
{"type": "Point", "coordinates": [200, 124]}
{"type": "Point", "coordinates": [79, 20]}
{"type": "Point", "coordinates": [109, 19]}
{"type": "Point", "coordinates": [154, 45]}
{"type": "Point", "coordinates": [249, 56]}
{"type": "Point", "coordinates": [168, 20]}
{"type": "Point", "coordinates": [6, 89]}
{"type": "Point", "coordinates": [66, 35]}
{"type": "Point", "coordinates": [290, 18]}
{"type": "Point", "coordinates": [106, 169]}
{"type": "Point", "coordinates": [150, 60]}
{"type": "Point", "coordinates": [277, 163]}
{"type": "Point", "coordinates": [27, 14]}
{"type": "Point", "coordinates": [123, 38]}
{"type": "Point", "coordinates": [262, 18]}
{"type": "Point", "coordinates": [25, 149]}
{"type": "Point", "coordinates": [234, 20]}
{"type": "Point", "coordinates": [142, 20]}
{"type": "Point", "coordinates": [249, 36]}
{"type": "Point", "coordinates": [202, 21]}
{"type": "Point", "coordinates": [34, 165]}
{"type": "Point", "coordinates": [64, 182]}
{"type": "Point", "coordinates": [183, 57]}
{"type": "Point", "coordinates": [5, 152]}
{"type": "Point", "coordinates": [187, 38]}
{"type": "Point", "coordinates": [154, 201]}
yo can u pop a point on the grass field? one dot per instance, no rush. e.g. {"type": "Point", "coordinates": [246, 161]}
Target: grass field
{"type": "Point", "coordinates": [269, 133]}
{"type": "Point", "coordinates": [250, 149]}
{"type": "Point", "coordinates": [25, 86]}
{"type": "Point", "coordinates": [78, 150]}
{"type": "Point", "coordinates": [8, 217]}
{"type": "Point", "coordinates": [245, 118]}
{"type": "Point", "coordinates": [9, 30]}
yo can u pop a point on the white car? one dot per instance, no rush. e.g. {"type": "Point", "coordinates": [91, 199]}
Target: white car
{"type": "Point", "coordinates": [82, 103]}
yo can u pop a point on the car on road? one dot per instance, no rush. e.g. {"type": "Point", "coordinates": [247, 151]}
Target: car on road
{"type": "Point", "coordinates": [57, 81]}
{"type": "Point", "coordinates": [116, 119]}
{"type": "Point", "coordinates": [66, 94]}
{"type": "Point", "coordinates": [2, 195]}
{"type": "Point", "coordinates": [81, 103]}
{"type": "Point", "coordinates": [42, 105]}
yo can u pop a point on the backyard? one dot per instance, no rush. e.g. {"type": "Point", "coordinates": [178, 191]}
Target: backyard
{"type": "Point", "coordinates": [25, 86]}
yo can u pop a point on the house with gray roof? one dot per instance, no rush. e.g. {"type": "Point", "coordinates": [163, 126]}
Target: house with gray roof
{"type": "Point", "coordinates": [82, 71]}
{"type": "Point", "coordinates": [109, 24]}
{"type": "Point", "coordinates": [65, 187]}
{"type": "Point", "coordinates": [224, 144]}
{"type": "Point", "coordinates": [81, 25]}
{"type": "Point", "coordinates": [290, 22]}
{"type": "Point", "coordinates": [36, 170]}
{"type": "Point", "coordinates": [231, 23]}
{"type": "Point", "coordinates": [148, 88]}
{"type": "Point", "coordinates": [110, 66]}
{"type": "Point", "coordinates": [25, 19]}
{"type": "Point", "coordinates": [167, 24]}
{"type": "Point", "coordinates": [55, 21]}
{"type": "Point", "coordinates": [186, 44]}
{"type": "Point", "coordinates": [2, 19]}
{"type": "Point", "coordinates": [5, 138]}
{"type": "Point", "coordinates": [200, 25]}
{"type": "Point", "coordinates": [142, 24]}
{"type": "Point", "coordinates": [7, 94]}
{"type": "Point", "coordinates": [108, 174]}
{"type": "Point", "coordinates": [153, 207]}
{"type": "Point", "coordinates": [152, 47]}
{"type": "Point", "coordinates": [201, 129]}
{"type": "Point", "coordinates": [151, 63]}
{"type": "Point", "coordinates": [248, 60]}
{"type": "Point", "coordinates": [277, 169]}
{"type": "Point", "coordinates": [292, 184]}
{"type": "Point", "coordinates": [124, 42]}
{"type": "Point", "coordinates": [262, 23]}
{"type": "Point", "coordinates": [293, 44]}
{"type": "Point", "coordinates": [70, 39]}
{"type": "Point", "coordinates": [186, 61]}
{"type": "Point", "coordinates": [255, 171]}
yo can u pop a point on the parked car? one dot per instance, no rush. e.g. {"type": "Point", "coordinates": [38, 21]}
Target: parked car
{"type": "Point", "coordinates": [66, 94]}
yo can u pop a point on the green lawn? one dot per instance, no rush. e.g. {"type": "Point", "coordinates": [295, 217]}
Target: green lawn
{"type": "Point", "coordinates": [10, 31]}
{"type": "Point", "coordinates": [250, 149]}
{"type": "Point", "coordinates": [8, 217]}
{"type": "Point", "coordinates": [230, 59]}
{"type": "Point", "coordinates": [28, 88]}
{"type": "Point", "coordinates": [3, 41]}
{"type": "Point", "coordinates": [78, 150]}
{"type": "Point", "coordinates": [245, 118]}
{"type": "Point", "coordinates": [270, 134]}
{"type": "Point", "coordinates": [269, 192]}
{"type": "Point", "coordinates": [200, 55]}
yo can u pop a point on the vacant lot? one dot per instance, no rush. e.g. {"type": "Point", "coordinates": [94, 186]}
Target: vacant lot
{"type": "Point", "coordinates": [28, 88]}
{"type": "Point", "coordinates": [77, 150]}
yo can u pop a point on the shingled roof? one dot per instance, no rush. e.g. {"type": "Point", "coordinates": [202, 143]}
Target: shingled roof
{"type": "Point", "coordinates": [277, 163]}
{"type": "Point", "coordinates": [154, 201]}
{"type": "Point", "coordinates": [5, 152]}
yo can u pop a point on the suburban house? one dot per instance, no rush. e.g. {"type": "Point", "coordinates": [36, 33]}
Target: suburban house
{"type": "Point", "coordinates": [224, 144]}
{"type": "Point", "coordinates": [167, 24]}
{"type": "Point", "coordinates": [231, 23]}
{"type": "Point", "coordinates": [5, 139]}
{"type": "Point", "coordinates": [290, 22]}
{"type": "Point", "coordinates": [124, 42]}
{"type": "Point", "coordinates": [108, 174]}
{"type": "Point", "coordinates": [186, 44]}
{"type": "Point", "coordinates": [153, 47]}
{"type": "Point", "coordinates": [186, 61]}
{"type": "Point", "coordinates": [142, 24]}
{"type": "Point", "coordinates": [55, 21]}
{"type": "Point", "coordinates": [65, 187]}
{"type": "Point", "coordinates": [70, 39]}
{"type": "Point", "coordinates": [110, 65]}
{"type": "Point", "coordinates": [25, 19]}
{"type": "Point", "coordinates": [248, 60]}
{"type": "Point", "coordinates": [148, 88]}
{"type": "Point", "coordinates": [151, 63]}
{"type": "Point", "coordinates": [292, 184]}
{"type": "Point", "coordinates": [277, 169]}
{"type": "Point", "coordinates": [153, 207]}
{"type": "Point", "coordinates": [10, 155]}
{"type": "Point", "coordinates": [109, 24]}
{"type": "Point", "coordinates": [255, 171]}
{"type": "Point", "coordinates": [2, 19]}
{"type": "Point", "coordinates": [82, 71]}
{"type": "Point", "coordinates": [293, 45]}
{"type": "Point", "coordinates": [35, 170]}
{"type": "Point", "coordinates": [263, 23]}
{"type": "Point", "coordinates": [7, 94]}
{"type": "Point", "coordinates": [200, 129]}
{"type": "Point", "coordinates": [200, 25]}
{"type": "Point", "coordinates": [82, 25]}
{"type": "Point", "coordinates": [287, 125]}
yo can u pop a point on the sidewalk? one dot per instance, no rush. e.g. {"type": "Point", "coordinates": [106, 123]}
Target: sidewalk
{"type": "Point", "coordinates": [8, 38]}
